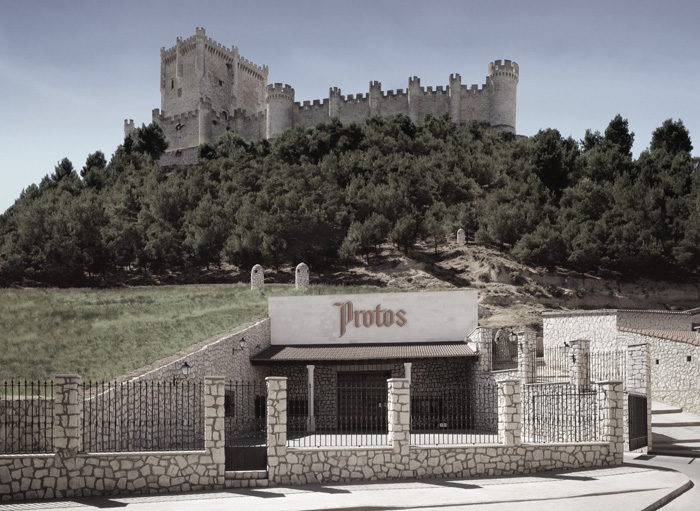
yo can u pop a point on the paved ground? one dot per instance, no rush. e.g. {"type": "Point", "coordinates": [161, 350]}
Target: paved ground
{"type": "Point", "coordinates": [690, 466]}
{"type": "Point", "coordinates": [627, 488]}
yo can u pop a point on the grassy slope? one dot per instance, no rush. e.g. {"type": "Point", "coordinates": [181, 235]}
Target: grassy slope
{"type": "Point", "coordinates": [101, 334]}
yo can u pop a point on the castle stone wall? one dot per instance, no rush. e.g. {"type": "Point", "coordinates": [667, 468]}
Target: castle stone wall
{"type": "Point", "coordinates": [207, 89]}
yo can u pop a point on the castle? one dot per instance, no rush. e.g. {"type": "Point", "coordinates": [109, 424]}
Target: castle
{"type": "Point", "coordinates": [207, 89]}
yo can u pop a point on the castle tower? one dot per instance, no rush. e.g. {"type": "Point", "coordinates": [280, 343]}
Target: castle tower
{"type": "Point", "coordinates": [503, 82]}
{"type": "Point", "coordinates": [334, 101]}
{"type": "Point", "coordinates": [375, 97]}
{"type": "Point", "coordinates": [280, 109]}
{"type": "Point", "coordinates": [415, 96]}
{"type": "Point", "coordinates": [456, 98]}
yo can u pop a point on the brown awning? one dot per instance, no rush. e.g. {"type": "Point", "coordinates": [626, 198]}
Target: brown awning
{"type": "Point", "coordinates": [361, 352]}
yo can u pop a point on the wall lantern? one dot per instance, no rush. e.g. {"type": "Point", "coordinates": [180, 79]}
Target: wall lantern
{"type": "Point", "coordinates": [513, 337]}
{"type": "Point", "coordinates": [241, 344]}
{"type": "Point", "coordinates": [186, 369]}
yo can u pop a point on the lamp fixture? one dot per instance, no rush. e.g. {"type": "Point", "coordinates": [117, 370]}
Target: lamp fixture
{"type": "Point", "coordinates": [186, 369]}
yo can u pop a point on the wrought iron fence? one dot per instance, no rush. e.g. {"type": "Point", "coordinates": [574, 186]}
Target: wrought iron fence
{"type": "Point", "coordinates": [245, 413]}
{"type": "Point", "coordinates": [458, 414]}
{"type": "Point", "coordinates": [553, 365]}
{"type": "Point", "coordinates": [559, 413]}
{"type": "Point", "coordinates": [143, 416]}
{"type": "Point", "coordinates": [608, 365]}
{"type": "Point", "coordinates": [26, 417]}
{"type": "Point", "coordinates": [350, 413]}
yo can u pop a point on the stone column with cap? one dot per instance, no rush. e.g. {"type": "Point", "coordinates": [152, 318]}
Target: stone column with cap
{"type": "Point", "coordinates": [257, 278]}
{"type": "Point", "coordinates": [302, 276]}
{"type": "Point", "coordinates": [461, 237]}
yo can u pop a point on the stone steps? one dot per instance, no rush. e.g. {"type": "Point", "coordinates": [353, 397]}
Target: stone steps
{"type": "Point", "coordinates": [674, 432]}
{"type": "Point", "coordinates": [246, 479]}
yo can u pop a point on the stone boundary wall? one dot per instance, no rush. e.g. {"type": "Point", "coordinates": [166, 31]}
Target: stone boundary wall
{"type": "Point", "coordinates": [68, 472]}
{"type": "Point", "coordinates": [674, 379]}
{"type": "Point", "coordinates": [403, 460]}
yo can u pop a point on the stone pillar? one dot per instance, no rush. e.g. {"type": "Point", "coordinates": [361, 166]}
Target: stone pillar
{"type": "Point", "coordinates": [400, 425]}
{"type": "Point", "coordinates": [527, 356]}
{"type": "Point", "coordinates": [509, 412]}
{"type": "Point", "coordinates": [302, 276]}
{"type": "Point", "coordinates": [638, 381]}
{"type": "Point", "coordinates": [257, 278]}
{"type": "Point", "coordinates": [610, 399]}
{"type": "Point", "coordinates": [483, 338]}
{"type": "Point", "coordinates": [461, 237]}
{"type": "Point", "coordinates": [311, 419]}
{"type": "Point", "coordinates": [580, 363]}
{"type": "Point", "coordinates": [407, 371]}
{"type": "Point", "coordinates": [277, 429]}
{"type": "Point", "coordinates": [214, 429]}
{"type": "Point", "coordinates": [68, 413]}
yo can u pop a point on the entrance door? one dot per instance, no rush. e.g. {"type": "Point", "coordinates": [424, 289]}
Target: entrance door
{"type": "Point", "coordinates": [362, 400]}
{"type": "Point", "coordinates": [637, 412]}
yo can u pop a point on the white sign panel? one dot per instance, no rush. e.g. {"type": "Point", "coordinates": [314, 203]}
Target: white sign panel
{"type": "Point", "coordinates": [373, 318]}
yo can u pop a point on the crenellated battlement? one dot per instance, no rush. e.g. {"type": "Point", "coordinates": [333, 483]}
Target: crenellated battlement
{"type": "Point", "coordinates": [247, 66]}
{"type": "Point", "coordinates": [505, 68]}
{"type": "Point", "coordinates": [317, 104]}
{"type": "Point", "coordinates": [395, 93]}
{"type": "Point", "coordinates": [208, 88]}
{"type": "Point", "coordinates": [280, 91]}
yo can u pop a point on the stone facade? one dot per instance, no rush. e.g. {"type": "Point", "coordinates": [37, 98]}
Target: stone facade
{"type": "Point", "coordinates": [601, 327]}
{"type": "Point", "coordinates": [674, 352]}
{"type": "Point", "coordinates": [221, 355]}
{"type": "Point", "coordinates": [208, 89]}
{"type": "Point", "coordinates": [675, 370]}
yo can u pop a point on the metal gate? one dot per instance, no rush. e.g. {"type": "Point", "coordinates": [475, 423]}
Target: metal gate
{"type": "Point", "coordinates": [637, 412]}
{"type": "Point", "coordinates": [245, 405]}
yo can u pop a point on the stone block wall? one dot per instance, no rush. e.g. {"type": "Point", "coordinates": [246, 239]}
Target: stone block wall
{"type": "Point", "coordinates": [401, 459]}
{"type": "Point", "coordinates": [674, 378]}
{"type": "Point", "coordinates": [68, 472]}
{"type": "Point", "coordinates": [219, 355]}
{"type": "Point", "coordinates": [598, 326]}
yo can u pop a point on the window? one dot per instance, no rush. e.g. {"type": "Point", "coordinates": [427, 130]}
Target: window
{"type": "Point", "coordinates": [689, 358]}
{"type": "Point", "coordinates": [172, 83]}
{"type": "Point", "coordinates": [221, 83]}
{"type": "Point", "coordinates": [657, 361]}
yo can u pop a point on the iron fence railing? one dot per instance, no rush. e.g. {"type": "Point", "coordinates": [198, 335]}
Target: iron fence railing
{"type": "Point", "coordinates": [458, 414]}
{"type": "Point", "coordinates": [559, 413]}
{"type": "Point", "coordinates": [345, 414]}
{"type": "Point", "coordinates": [143, 416]}
{"type": "Point", "coordinates": [553, 365]}
{"type": "Point", "coordinates": [245, 413]}
{"type": "Point", "coordinates": [608, 365]}
{"type": "Point", "coordinates": [26, 417]}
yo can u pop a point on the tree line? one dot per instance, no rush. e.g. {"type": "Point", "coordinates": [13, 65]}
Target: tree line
{"type": "Point", "coordinates": [334, 193]}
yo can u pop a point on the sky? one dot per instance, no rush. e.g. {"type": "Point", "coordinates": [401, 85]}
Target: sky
{"type": "Point", "coordinates": [72, 71]}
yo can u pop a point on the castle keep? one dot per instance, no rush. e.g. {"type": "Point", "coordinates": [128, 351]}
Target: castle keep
{"type": "Point", "coordinates": [207, 89]}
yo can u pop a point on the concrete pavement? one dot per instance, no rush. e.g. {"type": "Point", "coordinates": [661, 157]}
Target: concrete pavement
{"type": "Point", "coordinates": [628, 488]}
